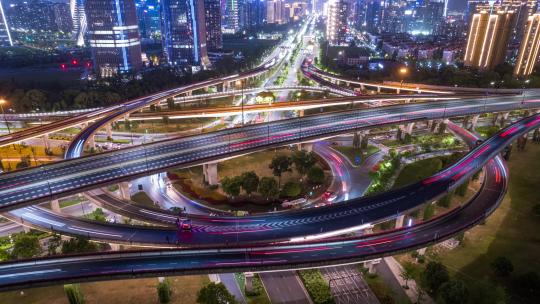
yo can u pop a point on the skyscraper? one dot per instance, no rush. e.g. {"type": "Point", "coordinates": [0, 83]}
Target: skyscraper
{"type": "Point", "coordinates": [488, 38]}
{"type": "Point", "coordinates": [5, 35]}
{"type": "Point", "coordinates": [212, 11]}
{"type": "Point", "coordinates": [522, 10]}
{"type": "Point", "coordinates": [274, 11]}
{"type": "Point", "coordinates": [230, 16]}
{"type": "Point", "coordinates": [336, 23]}
{"type": "Point", "coordinates": [79, 20]}
{"type": "Point", "coordinates": [183, 32]}
{"type": "Point", "coordinates": [113, 35]}
{"type": "Point", "coordinates": [529, 48]}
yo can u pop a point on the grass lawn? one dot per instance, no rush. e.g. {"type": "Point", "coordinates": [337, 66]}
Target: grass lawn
{"type": "Point", "coordinates": [417, 171]}
{"type": "Point", "coordinates": [351, 152]}
{"type": "Point", "coordinates": [143, 199]}
{"type": "Point", "coordinates": [72, 200]}
{"type": "Point", "coordinates": [511, 231]}
{"type": "Point", "coordinates": [184, 289]}
{"type": "Point", "coordinates": [261, 298]}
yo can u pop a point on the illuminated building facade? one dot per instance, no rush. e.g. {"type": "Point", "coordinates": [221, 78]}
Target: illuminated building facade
{"type": "Point", "coordinates": [488, 38]}
{"type": "Point", "coordinates": [212, 12]}
{"type": "Point", "coordinates": [336, 23]}
{"type": "Point", "coordinates": [5, 35]}
{"type": "Point", "coordinates": [529, 47]}
{"type": "Point", "coordinates": [183, 32]}
{"type": "Point", "coordinates": [113, 35]}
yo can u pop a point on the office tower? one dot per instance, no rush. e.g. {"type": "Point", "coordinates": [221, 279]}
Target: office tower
{"type": "Point", "coordinates": [274, 11]}
{"type": "Point", "coordinates": [522, 10]}
{"type": "Point", "coordinates": [5, 35]}
{"type": "Point", "coordinates": [149, 18]}
{"type": "Point", "coordinates": [212, 11]}
{"type": "Point", "coordinates": [529, 47]}
{"type": "Point", "coordinates": [230, 17]}
{"type": "Point", "coordinates": [113, 35]}
{"type": "Point", "coordinates": [336, 23]}
{"type": "Point", "coordinates": [79, 20]}
{"type": "Point", "coordinates": [488, 38]}
{"type": "Point", "coordinates": [62, 17]}
{"type": "Point", "coordinates": [183, 33]}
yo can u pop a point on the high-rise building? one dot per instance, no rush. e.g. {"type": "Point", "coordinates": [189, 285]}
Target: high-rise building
{"type": "Point", "coordinates": [522, 10]}
{"type": "Point", "coordinates": [488, 38]}
{"type": "Point", "coordinates": [212, 11]}
{"type": "Point", "coordinates": [5, 35]}
{"type": "Point", "coordinates": [336, 23]}
{"type": "Point", "coordinates": [274, 11]}
{"type": "Point", "coordinates": [79, 20]}
{"type": "Point", "coordinates": [62, 17]}
{"type": "Point", "coordinates": [113, 35]}
{"type": "Point", "coordinates": [230, 17]}
{"type": "Point", "coordinates": [529, 49]}
{"type": "Point", "coordinates": [183, 32]}
{"type": "Point", "coordinates": [149, 18]}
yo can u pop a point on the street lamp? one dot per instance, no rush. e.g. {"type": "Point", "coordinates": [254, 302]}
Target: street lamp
{"type": "Point", "coordinates": [2, 102]}
{"type": "Point", "coordinates": [403, 71]}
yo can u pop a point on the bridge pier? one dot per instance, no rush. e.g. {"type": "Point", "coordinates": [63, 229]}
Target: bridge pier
{"type": "Point", "coordinates": [399, 221]}
{"type": "Point", "coordinates": [92, 142]}
{"type": "Point", "coordinates": [378, 89]}
{"type": "Point", "coordinates": [249, 281]}
{"type": "Point", "coordinates": [114, 247]}
{"type": "Point", "coordinates": [398, 91]}
{"type": "Point", "coordinates": [108, 128]}
{"type": "Point", "coordinates": [124, 191]}
{"type": "Point", "coordinates": [362, 87]}
{"type": "Point", "coordinates": [474, 122]}
{"type": "Point", "coordinates": [55, 206]}
{"type": "Point", "coordinates": [45, 139]}
{"type": "Point", "coordinates": [370, 265]}
{"type": "Point", "coordinates": [210, 173]}
{"type": "Point", "coordinates": [308, 147]}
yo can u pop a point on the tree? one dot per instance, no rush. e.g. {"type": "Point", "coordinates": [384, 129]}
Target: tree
{"type": "Point", "coordinates": [55, 241]}
{"type": "Point", "coordinates": [435, 274]}
{"type": "Point", "coordinates": [250, 182]}
{"type": "Point", "coordinates": [26, 246]}
{"type": "Point", "coordinates": [98, 215]}
{"type": "Point", "coordinates": [303, 161]}
{"type": "Point", "coordinates": [78, 245]}
{"type": "Point", "coordinates": [315, 176]}
{"type": "Point", "coordinates": [279, 165]}
{"type": "Point", "coordinates": [231, 186]}
{"type": "Point", "coordinates": [291, 189]}
{"type": "Point", "coordinates": [527, 285]}
{"type": "Point", "coordinates": [74, 294]}
{"type": "Point", "coordinates": [453, 292]}
{"type": "Point", "coordinates": [407, 273]}
{"type": "Point", "coordinates": [268, 188]}
{"type": "Point", "coordinates": [445, 200]}
{"type": "Point", "coordinates": [442, 128]}
{"type": "Point", "coordinates": [215, 294]}
{"type": "Point", "coordinates": [502, 266]}
{"type": "Point", "coordinates": [164, 292]}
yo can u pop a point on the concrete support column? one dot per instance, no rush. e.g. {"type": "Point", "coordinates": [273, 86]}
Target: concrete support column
{"type": "Point", "coordinates": [126, 116]}
{"type": "Point", "coordinates": [249, 281]}
{"type": "Point", "coordinates": [189, 93]}
{"type": "Point", "coordinates": [225, 86]}
{"type": "Point", "coordinates": [370, 265]}
{"type": "Point", "coordinates": [398, 91]}
{"type": "Point", "coordinates": [55, 206]}
{"type": "Point", "coordinates": [210, 173]}
{"type": "Point", "coordinates": [422, 251]}
{"type": "Point", "coordinates": [378, 89]}
{"type": "Point", "coordinates": [300, 113]}
{"type": "Point", "coordinates": [409, 128]}
{"type": "Point", "coordinates": [92, 142]}
{"type": "Point", "coordinates": [362, 86]}
{"type": "Point", "coordinates": [124, 191]}
{"type": "Point", "coordinates": [474, 121]}
{"type": "Point", "coordinates": [505, 115]}
{"type": "Point", "coordinates": [429, 124]}
{"type": "Point", "coordinates": [399, 221]}
{"type": "Point", "coordinates": [308, 147]}
{"type": "Point", "coordinates": [114, 247]}
{"type": "Point", "coordinates": [108, 128]}
{"type": "Point", "coordinates": [45, 139]}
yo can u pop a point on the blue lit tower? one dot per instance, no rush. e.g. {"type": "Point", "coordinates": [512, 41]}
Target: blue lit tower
{"type": "Point", "coordinates": [5, 36]}
{"type": "Point", "coordinates": [113, 35]}
{"type": "Point", "coordinates": [78, 17]}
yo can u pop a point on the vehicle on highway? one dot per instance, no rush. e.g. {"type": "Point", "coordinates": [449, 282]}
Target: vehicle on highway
{"type": "Point", "coordinates": [329, 196]}
{"type": "Point", "coordinates": [185, 225]}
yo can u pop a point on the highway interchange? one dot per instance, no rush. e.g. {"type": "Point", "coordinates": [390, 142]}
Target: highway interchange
{"type": "Point", "coordinates": [261, 242]}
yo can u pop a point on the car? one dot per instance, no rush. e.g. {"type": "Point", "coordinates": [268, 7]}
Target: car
{"type": "Point", "coordinates": [329, 196]}
{"type": "Point", "coordinates": [185, 225]}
